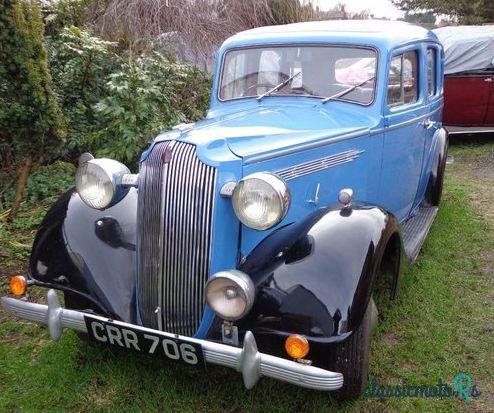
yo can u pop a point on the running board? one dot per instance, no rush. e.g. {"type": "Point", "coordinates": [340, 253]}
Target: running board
{"type": "Point", "coordinates": [415, 229]}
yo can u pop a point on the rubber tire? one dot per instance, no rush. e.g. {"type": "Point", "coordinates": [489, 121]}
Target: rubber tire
{"type": "Point", "coordinates": [435, 186]}
{"type": "Point", "coordinates": [351, 357]}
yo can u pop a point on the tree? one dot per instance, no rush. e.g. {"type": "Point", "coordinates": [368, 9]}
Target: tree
{"type": "Point", "coordinates": [31, 124]}
{"type": "Point", "coordinates": [288, 11]}
{"type": "Point", "coordinates": [80, 64]}
{"type": "Point", "coordinates": [466, 11]}
{"type": "Point", "coordinates": [427, 19]}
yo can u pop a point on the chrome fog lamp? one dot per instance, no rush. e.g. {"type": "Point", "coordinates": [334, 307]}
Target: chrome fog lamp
{"type": "Point", "coordinates": [261, 200]}
{"type": "Point", "coordinates": [98, 181]}
{"type": "Point", "coordinates": [230, 294]}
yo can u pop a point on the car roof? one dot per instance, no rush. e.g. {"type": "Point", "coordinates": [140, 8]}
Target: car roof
{"type": "Point", "coordinates": [379, 33]}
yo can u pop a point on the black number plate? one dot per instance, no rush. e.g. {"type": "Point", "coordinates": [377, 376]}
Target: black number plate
{"type": "Point", "coordinates": [144, 341]}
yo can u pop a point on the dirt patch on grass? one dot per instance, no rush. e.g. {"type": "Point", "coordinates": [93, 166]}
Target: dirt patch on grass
{"type": "Point", "coordinates": [97, 396]}
{"type": "Point", "coordinates": [389, 339]}
{"type": "Point", "coordinates": [12, 339]}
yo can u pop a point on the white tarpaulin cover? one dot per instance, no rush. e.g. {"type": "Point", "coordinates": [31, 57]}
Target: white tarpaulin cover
{"type": "Point", "coordinates": [467, 48]}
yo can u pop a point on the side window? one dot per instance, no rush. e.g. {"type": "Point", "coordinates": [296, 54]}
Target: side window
{"type": "Point", "coordinates": [403, 79]}
{"type": "Point", "coordinates": [410, 77]}
{"type": "Point", "coordinates": [232, 82]}
{"type": "Point", "coordinates": [431, 72]}
{"type": "Point", "coordinates": [395, 90]}
{"type": "Point", "coordinates": [352, 71]}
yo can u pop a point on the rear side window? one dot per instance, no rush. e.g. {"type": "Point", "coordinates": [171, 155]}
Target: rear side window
{"type": "Point", "coordinates": [403, 79]}
{"type": "Point", "coordinates": [431, 71]}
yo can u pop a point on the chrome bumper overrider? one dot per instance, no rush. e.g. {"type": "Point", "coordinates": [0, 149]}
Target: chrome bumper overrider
{"type": "Point", "coordinates": [247, 360]}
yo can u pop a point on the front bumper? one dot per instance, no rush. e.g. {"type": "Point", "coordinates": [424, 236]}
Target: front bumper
{"type": "Point", "coordinates": [247, 360]}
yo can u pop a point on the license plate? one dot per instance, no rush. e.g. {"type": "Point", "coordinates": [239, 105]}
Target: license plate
{"type": "Point", "coordinates": [143, 341]}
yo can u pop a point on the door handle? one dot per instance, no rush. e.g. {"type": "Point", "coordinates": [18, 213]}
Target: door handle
{"type": "Point", "coordinates": [428, 124]}
{"type": "Point", "coordinates": [488, 79]}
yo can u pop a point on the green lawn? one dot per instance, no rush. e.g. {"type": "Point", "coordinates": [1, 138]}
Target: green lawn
{"type": "Point", "coordinates": [440, 326]}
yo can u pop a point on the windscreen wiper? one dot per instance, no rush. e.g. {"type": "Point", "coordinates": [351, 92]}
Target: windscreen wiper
{"type": "Point", "coordinates": [278, 86]}
{"type": "Point", "coordinates": [344, 92]}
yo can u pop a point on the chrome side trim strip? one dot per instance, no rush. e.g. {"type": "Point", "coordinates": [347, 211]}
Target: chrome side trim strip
{"type": "Point", "coordinates": [413, 120]}
{"type": "Point", "coordinates": [246, 360]}
{"type": "Point", "coordinates": [324, 141]}
{"type": "Point", "coordinates": [319, 164]}
{"type": "Point", "coordinates": [452, 130]}
{"type": "Point", "coordinates": [406, 123]}
{"type": "Point", "coordinates": [302, 147]}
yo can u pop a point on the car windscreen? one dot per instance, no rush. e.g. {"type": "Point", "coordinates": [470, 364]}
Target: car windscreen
{"type": "Point", "coordinates": [318, 71]}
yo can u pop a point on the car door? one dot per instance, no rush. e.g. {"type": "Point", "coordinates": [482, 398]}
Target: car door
{"type": "Point", "coordinates": [404, 134]}
{"type": "Point", "coordinates": [432, 120]}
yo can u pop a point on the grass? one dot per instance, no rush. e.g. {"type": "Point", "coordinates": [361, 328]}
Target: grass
{"type": "Point", "coordinates": [441, 325]}
{"type": "Point", "coordinates": [471, 145]}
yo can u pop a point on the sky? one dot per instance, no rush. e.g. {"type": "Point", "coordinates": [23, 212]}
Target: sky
{"type": "Point", "coordinates": [379, 8]}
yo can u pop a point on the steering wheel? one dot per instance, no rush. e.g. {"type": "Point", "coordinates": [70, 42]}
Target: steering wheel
{"type": "Point", "coordinates": [301, 91]}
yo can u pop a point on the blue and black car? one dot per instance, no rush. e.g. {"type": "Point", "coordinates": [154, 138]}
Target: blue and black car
{"type": "Point", "coordinates": [256, 238]}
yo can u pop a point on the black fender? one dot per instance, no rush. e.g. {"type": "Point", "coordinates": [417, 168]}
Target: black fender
{"type": "Point", "coordinates": [89, 253]}
{"type": "Point", "coordinates": [316, 277]}
{"type": "Point", "coordinates": [435, 184]}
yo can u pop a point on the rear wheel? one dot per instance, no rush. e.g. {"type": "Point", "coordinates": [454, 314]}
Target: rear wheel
{"type": "Point", "coordinates": [435, 186]}
{"type": "Point", "coordinates": [351, 357]}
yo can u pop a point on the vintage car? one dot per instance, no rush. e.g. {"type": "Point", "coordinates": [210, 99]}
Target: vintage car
{"type": "Point", "coordinates": [469, 78]}
{"type": "Point", "coordinates": [256, 238]}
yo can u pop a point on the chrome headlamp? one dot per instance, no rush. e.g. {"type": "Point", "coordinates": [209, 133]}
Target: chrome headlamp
{"type": "Point", "coordinates": [230, 294]}
{"type": "Point", "coordinates": [261, 200]}
{"type": "Point", "coordinates": [98, 181]}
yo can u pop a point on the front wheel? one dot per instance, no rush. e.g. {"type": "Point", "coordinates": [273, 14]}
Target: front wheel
{"type": "Point", "coordinates": [351, 357]}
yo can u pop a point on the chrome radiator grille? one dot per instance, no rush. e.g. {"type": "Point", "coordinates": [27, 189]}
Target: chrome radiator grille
{"type": "Point", "coordinates": [176, 192]}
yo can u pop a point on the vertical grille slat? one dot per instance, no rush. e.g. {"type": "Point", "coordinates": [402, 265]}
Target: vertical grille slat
{"type": "Point", "coordinates": [175, 218]}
